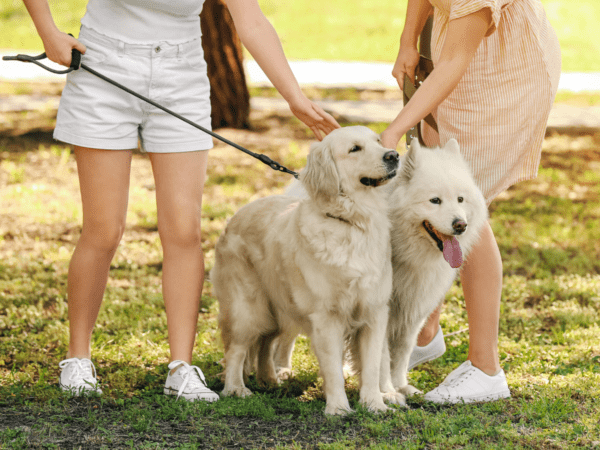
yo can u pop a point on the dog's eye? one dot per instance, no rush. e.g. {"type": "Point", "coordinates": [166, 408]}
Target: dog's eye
{"type": "Point", "coordinates": [356, 148]}
{"type": "Point", "coordinates": [436, 201]}
{"type": "Point", "coordinates": [460, 199]}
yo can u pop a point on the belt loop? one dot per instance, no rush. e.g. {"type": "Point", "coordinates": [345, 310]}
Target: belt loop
{"type": "Point", "coordinates": [121, 50]}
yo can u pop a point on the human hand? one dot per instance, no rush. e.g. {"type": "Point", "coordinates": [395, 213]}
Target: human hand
{"type": "Point", "coordinates": [58, 47]}
{"type": "Point", "coordinates": [313, 116]}
{"type": "Point", "coordinates": [389, 138]}
{"type": "Point", "coordinates": [406, 63]}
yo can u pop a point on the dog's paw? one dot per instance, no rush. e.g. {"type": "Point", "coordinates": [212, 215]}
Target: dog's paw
{"type": "Point", "coordinates": [408, 390]}
{"type": "Point", "coordinates": [284, 373]}
{"type": "Point", "coordinates": [236, 391]}
{"type": "Point", "coordinates": [375, 406]}
{"type": "Point", "coordinates": [267, 380]}
{"type": "Point", "coordinates": [337, 410]}
{"type": "Point", "coordinates": [394, 398]}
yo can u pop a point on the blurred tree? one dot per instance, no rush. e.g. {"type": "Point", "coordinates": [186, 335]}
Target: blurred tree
{"type": "Point", "coordinates": [229, 97]}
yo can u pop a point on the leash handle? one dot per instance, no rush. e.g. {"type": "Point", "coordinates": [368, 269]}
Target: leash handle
{"type": "Point", "coordinates": [75, 61]}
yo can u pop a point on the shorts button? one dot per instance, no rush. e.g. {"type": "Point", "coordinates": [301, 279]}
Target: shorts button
{"type": "Point", "coordinates": [157, 49]}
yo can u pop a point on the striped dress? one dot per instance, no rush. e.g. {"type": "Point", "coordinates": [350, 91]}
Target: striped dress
{"type": "Point", "coordinates": [499, 110]}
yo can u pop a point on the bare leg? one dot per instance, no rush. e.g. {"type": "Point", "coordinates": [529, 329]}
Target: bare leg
{"type": "Point", "coordinates": [481, 279]}
{"type": "Point", "coordinates": [104, 186]}
{"type": "Point", "coordinates": [179, 181]}
{"type": "Point", "coordinates": [430, 328]}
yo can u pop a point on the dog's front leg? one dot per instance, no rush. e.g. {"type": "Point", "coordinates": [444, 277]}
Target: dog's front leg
{"type": "Point", "coordinates": [370, 343]}
{"type": "Point", "coordinates": [400, 357]}
{"type": "Point", "coordinates": [327, 340]}
{"type": "Point", "coordinates": [389, 393]}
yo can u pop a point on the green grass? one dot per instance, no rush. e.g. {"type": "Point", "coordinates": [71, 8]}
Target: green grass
{"type": "Point", "coordinates": [548, 231]}
{"type": "Point", "coordinates": [350, 30]}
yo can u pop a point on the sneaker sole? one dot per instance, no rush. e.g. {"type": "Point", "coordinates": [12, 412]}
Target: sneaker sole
{"type": "Point", "coordinates": [426, 359]}
{"type": "Point", "coordinates": [79, 391]}
{"type": "Point", "coordinates": [192, 397]}
{"type": "Point", "coordinates": [480, 398]}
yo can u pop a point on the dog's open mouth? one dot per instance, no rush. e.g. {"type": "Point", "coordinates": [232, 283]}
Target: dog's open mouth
{"type": "Point", "coordinates": [378, 181]}
{"type": "Point", "coordinates": [448, 245]}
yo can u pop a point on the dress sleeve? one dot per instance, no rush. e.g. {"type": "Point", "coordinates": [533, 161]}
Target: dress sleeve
{"type": "Point", "coordinates": [461, 8]}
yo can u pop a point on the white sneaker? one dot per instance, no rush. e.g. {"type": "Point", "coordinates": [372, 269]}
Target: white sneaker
{"type": "Point", "coordinates": [188, 382]}
{"type": "Point", "coordinates": [468, 384]}
{"type": "Point", "coordinates": [429, 352]}
{"type": "Point", "coordinates": [78, 376]}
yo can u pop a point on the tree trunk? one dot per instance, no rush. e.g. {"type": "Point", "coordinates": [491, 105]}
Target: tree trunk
{"type": "Point", "coordinates": [229, 97]}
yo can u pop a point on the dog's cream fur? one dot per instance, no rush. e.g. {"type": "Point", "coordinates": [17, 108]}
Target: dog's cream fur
{"type": "Point", "coordinates": [433, 185]}
{"type": "Point", "coordinates": [320, 266]}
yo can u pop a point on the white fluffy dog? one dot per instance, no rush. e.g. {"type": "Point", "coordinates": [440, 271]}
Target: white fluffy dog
{"type": "Point", "coordinates": [321, 266]}
{"type": "Point", "coordinates": [437, 213]}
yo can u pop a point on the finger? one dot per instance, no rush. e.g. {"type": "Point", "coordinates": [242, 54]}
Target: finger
{"type": "Point", "coordinates": [398, 74]}
{"type": "Point", "coordinates": [410, 71]}
{"type": "Point", "coordinates": [80, 47]}
{"type": "Point", "coordinates": [317, 133]}
{"type": "Point", "coordinates": [326, 119]}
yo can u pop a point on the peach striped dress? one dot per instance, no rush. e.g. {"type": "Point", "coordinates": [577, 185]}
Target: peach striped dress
{"type": "Point", "coordinates": [499, 110]}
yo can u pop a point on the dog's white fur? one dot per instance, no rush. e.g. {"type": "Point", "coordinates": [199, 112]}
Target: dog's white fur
{"type": "Point", "coordinates": [421, 274]}
{"type": "Point", "coordinates": [321, 266]}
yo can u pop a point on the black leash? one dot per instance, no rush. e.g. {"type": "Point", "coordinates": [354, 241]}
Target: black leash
{"type": "Point", "coordinates": [76, 64]}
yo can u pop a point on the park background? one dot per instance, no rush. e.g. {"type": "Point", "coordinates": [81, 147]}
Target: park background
{"type": "Point", "coordinates": [548, 231]}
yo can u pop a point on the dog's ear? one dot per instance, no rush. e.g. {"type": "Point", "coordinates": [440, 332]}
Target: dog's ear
{"type": "Point", "coordinates": [411, 160]}
{"type": "Point", "coordinates": [452, 146]}
{"type": "Point", "coordinates": [320, 177]}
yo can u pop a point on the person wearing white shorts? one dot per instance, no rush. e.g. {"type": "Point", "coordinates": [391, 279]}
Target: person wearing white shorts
{"type": "Point", "coordinates": [154, 48]}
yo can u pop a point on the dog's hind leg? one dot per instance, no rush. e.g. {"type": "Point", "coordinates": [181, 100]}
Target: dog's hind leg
{"type": "Point", "coordinates": [242, 319]}
{"type": "Point", "coordinates": [234, 371]}
{"type": "Point", "coordinates": [265, 369]}
{"type": "Point", "coordinates": [283, 349]}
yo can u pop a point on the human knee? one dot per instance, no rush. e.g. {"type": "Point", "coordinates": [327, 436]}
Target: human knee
{"type": "Point", "coordinates": [103, 235]}
{"type": "Point", "coordinates": [182, 232]}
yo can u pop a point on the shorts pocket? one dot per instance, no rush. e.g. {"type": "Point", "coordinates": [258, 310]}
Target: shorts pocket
{"type": "Point", "coordinates": [194, 57]}
{"type": "Point", "coordinates": [95, 54]}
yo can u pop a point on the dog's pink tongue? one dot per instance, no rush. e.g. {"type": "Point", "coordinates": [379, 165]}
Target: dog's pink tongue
{"type": "Point", "coordinates": [452, 252]}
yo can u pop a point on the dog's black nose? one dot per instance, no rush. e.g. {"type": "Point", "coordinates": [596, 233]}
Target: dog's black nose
{"type": "Point", "coordinates": [391, 156]}
{"type": "Point", "coordinates": [459, 226]}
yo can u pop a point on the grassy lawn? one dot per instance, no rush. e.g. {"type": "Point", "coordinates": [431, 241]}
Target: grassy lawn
{"type": "Point", "coordinates": [350, 30]}
{"type": "Point", "coordinates": [549, 235]}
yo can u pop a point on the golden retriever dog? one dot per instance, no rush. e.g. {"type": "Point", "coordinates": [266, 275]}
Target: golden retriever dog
{"type": "Point", "coordinates": [319, 265]}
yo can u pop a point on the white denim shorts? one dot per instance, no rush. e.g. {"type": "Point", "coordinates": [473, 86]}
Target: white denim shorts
{"type": "Point", "coordinates": [93, 113]}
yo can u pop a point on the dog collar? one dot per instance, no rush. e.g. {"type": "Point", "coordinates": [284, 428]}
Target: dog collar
{"type": "Point", "coordinates": [331, 216]}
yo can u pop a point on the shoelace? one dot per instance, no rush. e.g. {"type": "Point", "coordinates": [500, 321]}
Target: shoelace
{"type": "Point", "coordinates": [80, 370]}
{"type": "Point", "coordinates": [460, 379]}
{"type": "Point", "coordinates": [187, 373]}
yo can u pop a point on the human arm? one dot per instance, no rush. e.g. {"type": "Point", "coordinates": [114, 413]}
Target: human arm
{"type": "Point", "coordinates": [462, 40]}
{"type": "Point", "coordinates": [58, 45]}
{"type": "Point", "coordinates": [417, 13]}
{"type": "Point", "coordinates": [259, 37]}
